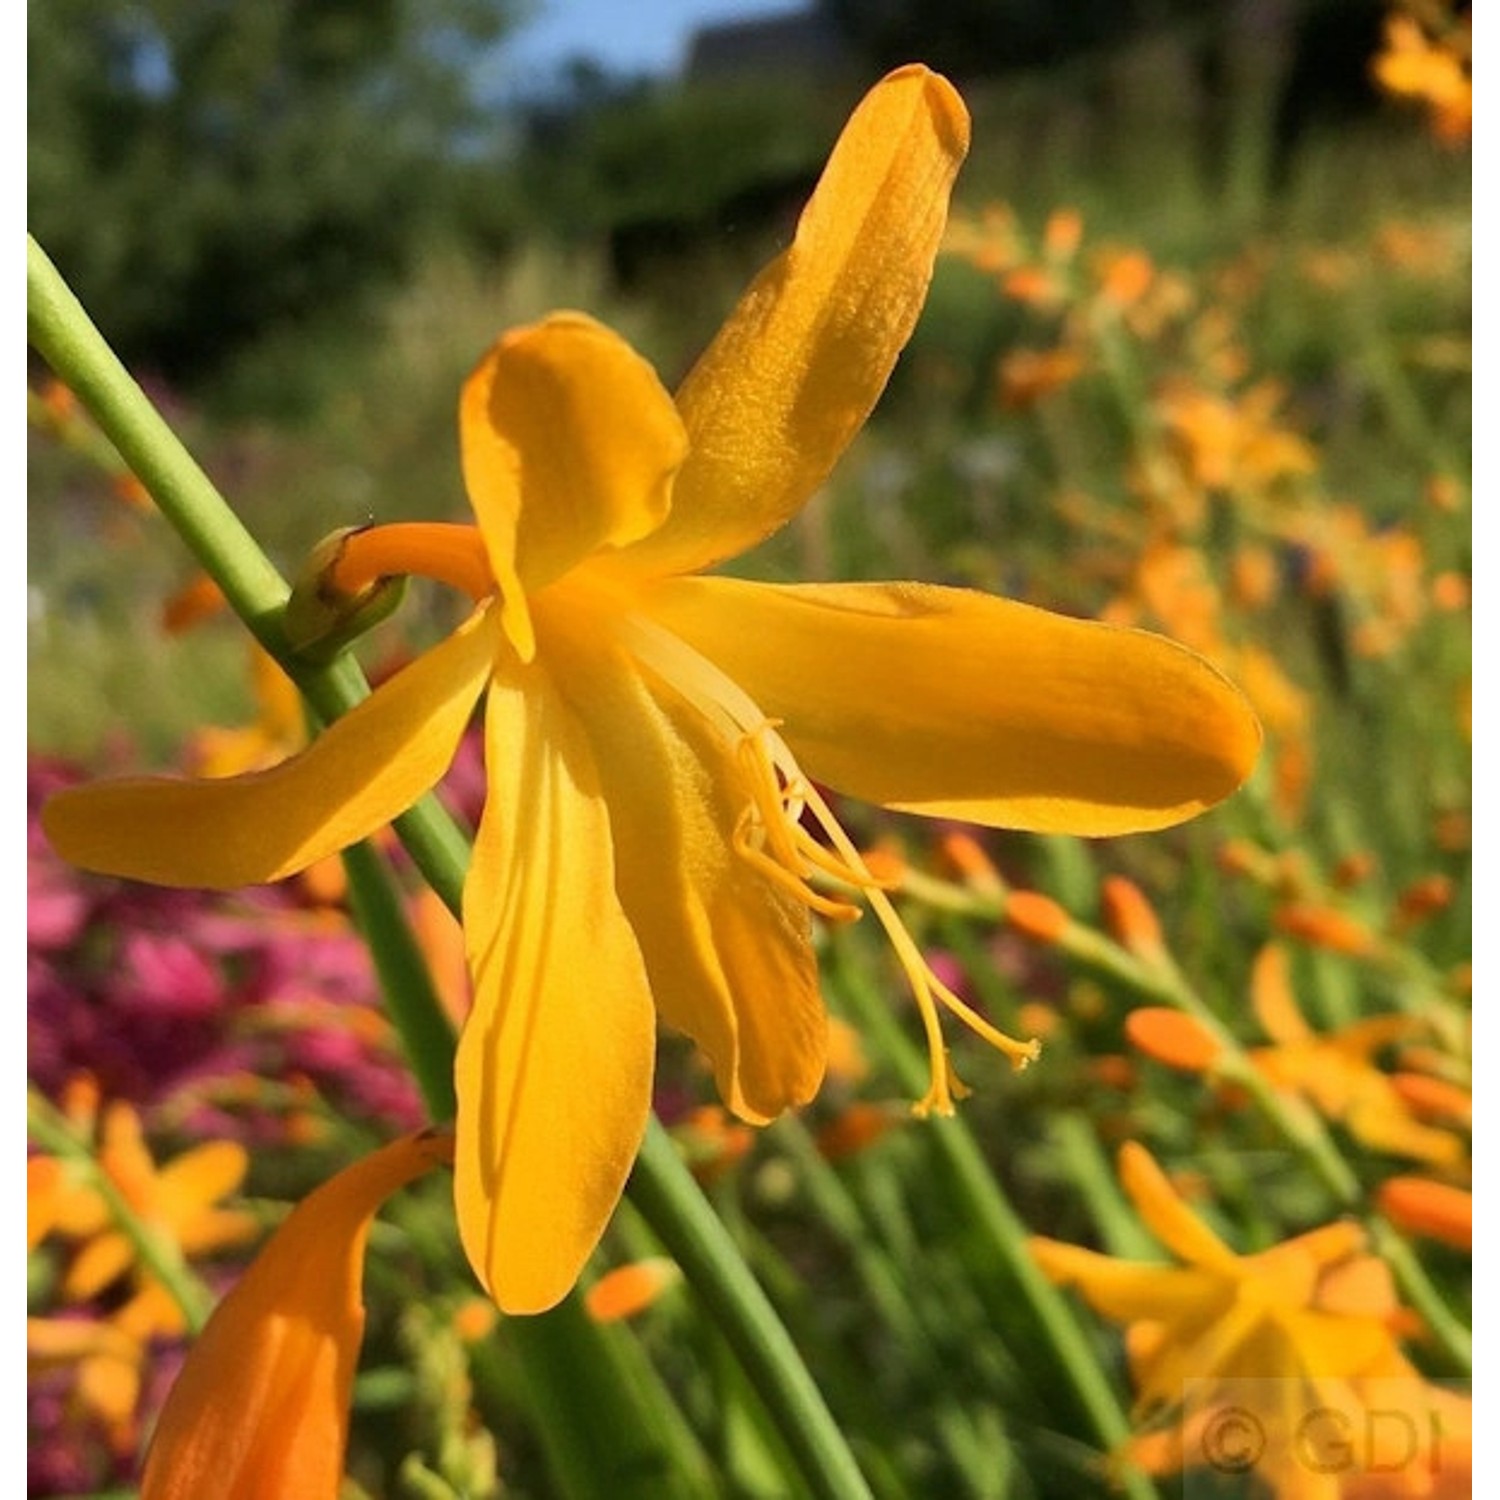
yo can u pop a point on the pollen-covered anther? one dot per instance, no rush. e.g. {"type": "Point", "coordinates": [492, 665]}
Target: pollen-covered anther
{"type": "Point", "coordinates": [769, 834]}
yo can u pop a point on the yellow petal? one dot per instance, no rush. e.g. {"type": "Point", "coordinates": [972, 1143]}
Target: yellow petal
{"type": "Point", "coordinates": [1167, 1216]}
{"type": "Point", "coordinates": [570, 445]}
{"type": "Point", "coordinates": [1272, 999]}
{"type": "Point", "coordinates": [555, 1061]}
{"type": "Point", "coordinates": [1127, 1290]}
{"type": "Point", "coordinates": [729, 953]}
{"type": "Point", "coordinates": [261, 1408]}
{"type": "Point", "coordinates": [362, 771]}
{"type": "Point", "coordinates": [199, 1178]}
{"type": "Point", "coordinates": [956, 704]}
{"type": "Point", "coordinates": [102, 1260]}
{"type": "Point", "coordinates": [793, 374]}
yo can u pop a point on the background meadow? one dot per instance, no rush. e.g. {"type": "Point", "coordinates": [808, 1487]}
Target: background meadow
{"type": "Point", "coordinates": [1196, 358]}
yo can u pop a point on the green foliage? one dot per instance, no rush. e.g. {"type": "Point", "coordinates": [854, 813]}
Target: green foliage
{"type": "Point", "coordinates": [203, 172]}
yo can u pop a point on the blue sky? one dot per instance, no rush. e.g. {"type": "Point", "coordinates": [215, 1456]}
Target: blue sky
{"type": "Point", "coordinates": [627, 36]}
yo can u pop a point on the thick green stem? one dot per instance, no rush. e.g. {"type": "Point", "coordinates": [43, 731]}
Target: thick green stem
{"type": "Point", "coordinates": [411, 997]}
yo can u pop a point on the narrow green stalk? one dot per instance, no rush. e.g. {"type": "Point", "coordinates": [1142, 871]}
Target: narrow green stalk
{"type": "Point", "coordinates": [157, 1253]}
{"type": "Point", "coordinates": [1448, 1333]}
{"type": "Point", "coordinates": [663, 1190]}
{"type": "Point", "coordinates": [606, 1421]}
{"type": "Point", "coordinates": [411, 997]}
{"type": "Point", "coordinates": [63, 334]}
{"type": "Point", "coordinates": [1119, 1227]}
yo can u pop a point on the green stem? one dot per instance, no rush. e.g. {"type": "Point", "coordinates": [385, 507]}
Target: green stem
{"type": "Point", "coordinates": [157, 1252]}
{"type": "Point", "coordinates": [663, 1190]}
{"type": "Point", "coordinates": [1447, 1332]}
{"type": "Point", "coordinates": [63, 334]}
{"type": "Point", "coordinates": [411, 997]}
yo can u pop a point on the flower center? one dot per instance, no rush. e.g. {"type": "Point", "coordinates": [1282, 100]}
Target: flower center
{"type": "Point", "coordinates": [771, 833]}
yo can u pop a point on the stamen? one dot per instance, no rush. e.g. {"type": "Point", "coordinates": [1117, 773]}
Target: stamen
{"type": "Point", "coordinates": [770, 835]}
{"type": "Point", "coordinates": [450, 553]}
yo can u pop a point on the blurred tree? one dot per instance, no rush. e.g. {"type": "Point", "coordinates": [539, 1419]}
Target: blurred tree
{"type": "Point", "coordinates": [205, 169]}
{"type": "Point", "coordinates": [979, 38]}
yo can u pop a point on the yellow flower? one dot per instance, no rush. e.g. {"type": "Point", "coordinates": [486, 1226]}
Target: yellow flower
{"type": "Point", "coordinates": [1271, 1336]}
{"type": "Point", "coordinates": [177, 1202]}
{"type": "Point", "coordinates": [1336, 1072]}
{"type": "Point", "coordinates": [261, 1408]}
{"type": "Point", "coordinates": [1434, 73]}
{"type": "Point", "coordinates": [652, 735]}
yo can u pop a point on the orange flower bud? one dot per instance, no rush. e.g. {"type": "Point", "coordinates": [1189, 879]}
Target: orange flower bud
{"type": "Point", "coordinates": [1113, 1071]}
{"type": "Point", "coordinates": [129, 489]}
{"type": "Point", "coordinates": [1354, 869]}
{"type": "Point", "coordinates": [965, 855]}
{"type": "Point", "coordinates": [857, 1127]}
{"type": "Point", "coordinates": [1031, 284]}
{"type": "Point", "coordinates": [475, 1318]}
{"type": "Point", "coordinates": [1130, 920]}
{"type": "Point", "coordinates": [886, 865]}
{"type": "Point", "coordinates": [1062, 234]}
{"type": "Point", "coordinates": [1170, 1037]}
{"type": "Point", "coordinates": [1450, 592]}
{"type": "Point", "coordinates": [60, 402]}
{"type": "Point", "coordinates": [1038, 1019]}
{"type": "Point", "coordinates": [627, 1290]}
{"type": "Point", "coordinates": [1433, 1209]}
{"type": "Point", "coordinates": [1036, 916]}
{"type": "Point", "coordinates": [1435, 1098]}
{"type": "Point", "coordinates": [1325, 927]}
{"type": "Point", "coordinates": [196, 600]}
{"type": "Point", "coordinates": [1125, 277]}
{"type": "Point", "coordinates": [1422, 898]}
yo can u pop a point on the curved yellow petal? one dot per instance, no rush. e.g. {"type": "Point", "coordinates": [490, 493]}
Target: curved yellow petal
{"type": "Point", "coordinates": [1168, 1217]}
{"type": "Point", "coordinates": [793, 374]}
{"type": "Point", "coordinates": [261, 1408]}
{"type": "Point", "coordinates": [729, 953]}
{"type": "Point", "coordinates": [1126, 1290]}
{"type": "Point", "coordinates": [359, 773]}
{"type": "Point", "coordinates": [570, 444]}
{"type": "Point", "coordinates": [956, 704]}
{"type": "Point", "coordinates": [555, 1061]}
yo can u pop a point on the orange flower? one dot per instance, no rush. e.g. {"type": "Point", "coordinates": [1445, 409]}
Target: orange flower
{"type": "Point", "coordinates": [1432, 73]}
{"type": "Point", "coordinates": [176, 1202]}
{"type": "Point", "coordinates": [261, 1409]}
{"type": "Point", "coordinates": [1336, 1072]}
